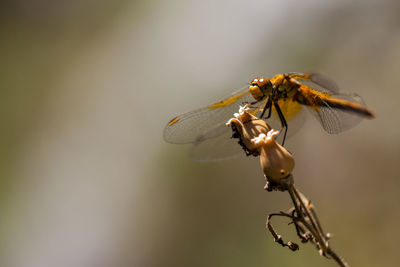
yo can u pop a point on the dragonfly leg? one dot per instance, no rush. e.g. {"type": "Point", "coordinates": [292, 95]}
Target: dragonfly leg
{"type": "Point", "coordinates": [249, 103]}
{"type": "Point", "coordinates": [283, 121]}
{"type": "Point", "coordinates": [269, 111]}
{"type": "Point", "coordinates": [267, 106]}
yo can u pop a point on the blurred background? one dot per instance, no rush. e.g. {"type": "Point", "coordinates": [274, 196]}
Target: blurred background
{"type": "Point", "coordinates": [86, 88]}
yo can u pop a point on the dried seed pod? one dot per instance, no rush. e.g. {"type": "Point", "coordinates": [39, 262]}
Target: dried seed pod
{"type": "Point", "coordinates": [276, 161]}
{"type": "Point", "coordinates": [248, 127]}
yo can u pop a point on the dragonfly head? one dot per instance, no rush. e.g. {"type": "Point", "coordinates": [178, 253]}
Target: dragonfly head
{"type": "Point", "coordinates": [260, 87]}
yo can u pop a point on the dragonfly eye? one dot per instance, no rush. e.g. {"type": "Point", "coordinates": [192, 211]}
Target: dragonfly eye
{"type": "Point", "coordinates": [260, 81]}
{"type": "Point", "coordinates": [254, 81]}
{"type": "Point", "coordinates": [263, 81]}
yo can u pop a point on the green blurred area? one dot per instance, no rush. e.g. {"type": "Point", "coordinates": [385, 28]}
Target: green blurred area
{"type": "Point", "coordinates": [87, 87]}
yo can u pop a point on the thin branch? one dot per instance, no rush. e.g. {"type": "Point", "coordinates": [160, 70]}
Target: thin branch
{"type": "Point", "coordinates": [307, 225]}
{"type": "Point", "coordinates": [278, 238]}
{"type": "Point", "coordinates": [319, 236]}
{"type": "Point", "coordinates": [337, 258]}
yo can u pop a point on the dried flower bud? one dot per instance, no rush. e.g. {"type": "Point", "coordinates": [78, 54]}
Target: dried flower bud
{"type": "Point", "coordinates": [276, 161]}
{"type": "Point", "coordinates": [248, 127]}
{"type": "Point", "coordinates": [293, 246]}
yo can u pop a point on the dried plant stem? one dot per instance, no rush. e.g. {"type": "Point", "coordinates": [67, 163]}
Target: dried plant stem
{"type": "Point", "coordinates": [313, 227]}
{"type": "Point", "coordinates": [277, 238]}
{"type": "Point", "coordinates": [317, 232]}
{"type": "Point", "coordinates": [316, 237]}
{"type": "Point", "coordinates": [307, 225]}
{"type": "Point", "coordinates": [336, 257]}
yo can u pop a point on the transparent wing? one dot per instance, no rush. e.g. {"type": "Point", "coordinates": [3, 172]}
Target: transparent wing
{"type": "Point", "coordinates": [218, 148]}
{"type": "Point", "coordinates": [316, 81]}
{"type": "Point", "coordinates": [322, 83]}
{"type": "Point", "coordinates": [335, 120]}
{"type": "Point", "coordinates": [206, 122]}
{"type": "Point", "coordinates": [338, 111]}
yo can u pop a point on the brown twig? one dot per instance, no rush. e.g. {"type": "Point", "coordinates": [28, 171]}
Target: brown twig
{"type": "Point", "coordinates": [308, 227]}
{"type": "Point", "coordinates": [278, 238]}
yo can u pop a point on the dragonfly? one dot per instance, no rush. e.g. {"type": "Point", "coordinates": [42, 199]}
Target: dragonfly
{"type": "Point", "coordinates": [280, 100]}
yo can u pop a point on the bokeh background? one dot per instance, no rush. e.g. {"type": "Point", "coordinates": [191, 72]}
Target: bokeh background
{"type": "Point", "coordinates": [86, 88]}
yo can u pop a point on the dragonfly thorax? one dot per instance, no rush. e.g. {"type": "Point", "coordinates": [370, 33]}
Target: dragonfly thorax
{"type": "Point", "coordinates": [260, 87]}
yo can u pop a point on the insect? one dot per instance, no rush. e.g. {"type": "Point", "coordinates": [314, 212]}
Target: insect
{"type": "Point", "coordinates": [280, 100]}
